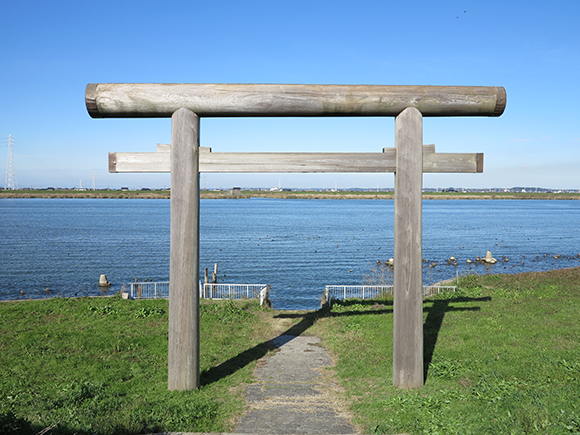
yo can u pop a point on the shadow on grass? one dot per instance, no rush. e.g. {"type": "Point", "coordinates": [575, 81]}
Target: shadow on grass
{"type": "Point", "coordinates": [374, 306]}
{"type": "Point", "coordinates": [241, 360]}
{"type": "Point", "coordinates": [431, 329]}
{"type": "Point", "coordinates": [434, 321]}
{"type": "Point", "coordinates": [12, 425]}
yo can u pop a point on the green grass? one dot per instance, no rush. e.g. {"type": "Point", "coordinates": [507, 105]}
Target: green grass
{"type": "Point", "coordinates": [502, 356]}
{"type": "Point", "coordinates": [99, 366]}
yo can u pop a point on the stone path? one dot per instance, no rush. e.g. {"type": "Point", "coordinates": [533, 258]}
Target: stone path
{"type": "Point", "coordinates": [291, 394]}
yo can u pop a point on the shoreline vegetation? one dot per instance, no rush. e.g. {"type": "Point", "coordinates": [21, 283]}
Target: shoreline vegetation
{"type": "Point", "coordinates": [99, 365]}
{"type": "Point", "coordinates": [298, 194]}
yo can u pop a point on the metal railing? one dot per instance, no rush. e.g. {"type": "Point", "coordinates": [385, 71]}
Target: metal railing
{"type": "Point", "coordinates": [358, 291]}
{"type": "Point", "coordinates": [156, 290]}
{"type": "Point", "coordinates": [149, 290]}
{"type": "Point", "coordinates": [343, 292]}
{"type": "Point", "coordinates": [432, 290]}
{"type": "Point", "coordinates": [232, 291]}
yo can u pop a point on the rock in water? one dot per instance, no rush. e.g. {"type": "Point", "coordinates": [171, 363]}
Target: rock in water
{"type": "Point", "coordinates": [489, 259]}
{"type": "Point", "coordinates": [103, 281]}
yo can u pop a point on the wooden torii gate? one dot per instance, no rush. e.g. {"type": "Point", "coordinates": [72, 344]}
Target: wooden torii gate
{"type": "Point", "coordinates": [187, 103]}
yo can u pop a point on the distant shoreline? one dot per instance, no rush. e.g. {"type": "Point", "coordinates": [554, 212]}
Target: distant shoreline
{"type": "Point", "coordinates": [302, 194]}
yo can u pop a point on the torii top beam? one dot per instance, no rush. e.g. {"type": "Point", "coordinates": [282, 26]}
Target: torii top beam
{"type": "Point", "coordinates": [141, 100]}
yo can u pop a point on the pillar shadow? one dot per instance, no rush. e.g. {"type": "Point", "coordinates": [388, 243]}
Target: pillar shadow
{"type": "Point", "coordinates": [241, 360]}
{"type": "Point", "coordinates": [431, 329]}
{"type": "Point", "coordinates": [434, 321]}
{"type": "Point", "coordinates": [307, 319]}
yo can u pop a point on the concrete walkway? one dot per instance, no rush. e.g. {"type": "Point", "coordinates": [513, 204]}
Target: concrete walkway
{"type": "Point", "coordinates": [292, 394]}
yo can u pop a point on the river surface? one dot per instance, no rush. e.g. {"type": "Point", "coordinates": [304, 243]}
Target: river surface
{"type": "Point", "coordinates": [296, 246]}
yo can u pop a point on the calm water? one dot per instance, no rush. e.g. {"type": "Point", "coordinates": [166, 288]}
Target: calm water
{"type": "Point", "coordinates": [297, 246]}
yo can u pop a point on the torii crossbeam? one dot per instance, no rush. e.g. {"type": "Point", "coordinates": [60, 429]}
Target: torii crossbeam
{"type": "Point", "coordinates": [209, 161]}
{"type": "Point", "coordinates": [185, 103]}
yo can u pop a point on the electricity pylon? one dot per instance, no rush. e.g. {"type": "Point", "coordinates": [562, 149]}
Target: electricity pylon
{"type": "Point", "coordinates": [10, 181]}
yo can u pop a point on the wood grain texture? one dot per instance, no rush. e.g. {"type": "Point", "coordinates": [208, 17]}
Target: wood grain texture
{"type": "Point", "coordinates": [408, 280]}
{"type": "Point", "coordinates": [113, 162]}
{"type": "Point", "coordinates": [142, 100]}
{"type": "Point", "coordinates": [452, 162]}
{"type": "Point", "coordinates": [183, 350]}
{"type": "Point", "coordinates": [479, 167]}
{"type": "Point", "coordinates": [164, 148]}
{"type": "Point", "coordinates": [427, 149]}
{"type": "Point", "coordinates": [297, 162]}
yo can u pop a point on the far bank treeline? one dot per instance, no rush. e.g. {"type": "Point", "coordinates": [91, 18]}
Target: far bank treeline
{"type": "Point", "coordinates": [295, 194]}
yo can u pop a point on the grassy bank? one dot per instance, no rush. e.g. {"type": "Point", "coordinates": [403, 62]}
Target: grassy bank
{"type": "Point", "coordinates": [306, 194]}
{"type": "Point", "coordinates": [501, 356]}
{"type": "Point", "coordinates": [99, 194]}
{"type": "Point", "coordinates": [299, 194]}
{"type": "Point", "coordinates": [99, 366]}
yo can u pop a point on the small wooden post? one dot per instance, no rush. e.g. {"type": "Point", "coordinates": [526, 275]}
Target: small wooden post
{"type": "Point", "coordinates": [184, 253]}
{"type": "Point", "coordinates": [215, 272]}
{"type": "Point", "coordinates": [408, 303]}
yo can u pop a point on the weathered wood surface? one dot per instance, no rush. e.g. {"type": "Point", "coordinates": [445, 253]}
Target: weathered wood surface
{"type": "Point", "coordinates": [297, 162]}
{"type": "Point", "coordinates": [452, 162]}
{"type": "Point", "coordinates": [429, 148]}
{"type": "Point", "coordinates": [142, 100]}
{"type": "Point", "coordinates": [166, 148]}
{"type": "Point", "coordinates": [183, 352]}
{"type": "Point", "coordinates": [408, 280]}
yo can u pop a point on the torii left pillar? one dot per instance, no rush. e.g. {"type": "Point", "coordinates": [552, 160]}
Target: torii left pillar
{"type": "Point", "coordinates": [183, 352]}
{"type": "Point", "coordinates": [408, 298]}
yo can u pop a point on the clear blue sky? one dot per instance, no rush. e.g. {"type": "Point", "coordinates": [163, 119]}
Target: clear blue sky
{"type": "Point", "coordinates": [50, 50]}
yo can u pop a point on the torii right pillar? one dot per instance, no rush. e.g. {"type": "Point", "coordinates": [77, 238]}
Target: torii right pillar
{"type": "Point", "coordinates": [408, 303]}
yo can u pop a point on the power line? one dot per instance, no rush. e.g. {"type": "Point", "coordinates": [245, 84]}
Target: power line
{"type": "Point", "coordinates": [43, 162]}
